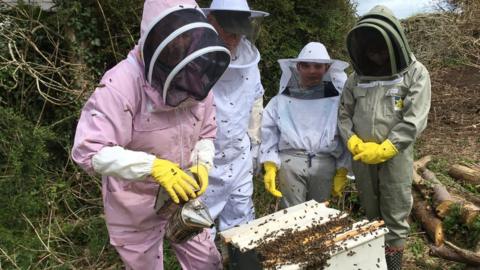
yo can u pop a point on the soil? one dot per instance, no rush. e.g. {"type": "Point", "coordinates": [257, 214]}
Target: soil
{"type": "Point", "coordinates": [453, 131]}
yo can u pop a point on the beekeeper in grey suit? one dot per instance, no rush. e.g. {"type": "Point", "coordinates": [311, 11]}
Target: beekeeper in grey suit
{"type": "Point", "coordinates": [383, 109]}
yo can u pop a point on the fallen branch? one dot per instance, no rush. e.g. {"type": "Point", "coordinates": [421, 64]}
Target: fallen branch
{"type": "Point", "coordinates": [464, 252]}
{"type": "Point", "coordinates": [430, 177]}
{"type": "Point", "coordinates": [442, 200]}
{"type": "Point", "coordinates": [422, 163]}
{"type": "Point", "coordinates": [419, 165]}
{"type": "Point", "coordinates": [447, 253]}
{"type": "Point", "coordinates": [475, 199]}
{"type": "Point", "coordinates": [468, 175]}
{"type": "Point", "coordinates": [428, 220]}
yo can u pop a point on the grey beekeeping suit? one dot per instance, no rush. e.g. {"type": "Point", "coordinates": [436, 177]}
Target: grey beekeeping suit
{"type": "Point", "coordinates": [380, 101]}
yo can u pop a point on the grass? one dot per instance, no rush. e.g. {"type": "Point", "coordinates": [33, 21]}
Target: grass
{"type": "Point", "coordinates": [417, 248]}
{"type": "Point", "coordinates": [169, 259]}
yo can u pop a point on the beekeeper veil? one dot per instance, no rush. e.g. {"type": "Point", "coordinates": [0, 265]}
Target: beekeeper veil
{"type": "Point", "coordinates": [237, 19]}
{"type": "Point", "coordinates": [378, 47]}
{"type": "Point", "coordinates": [182, 53]}
{"type": "Point", "coordinates": [313, 52]}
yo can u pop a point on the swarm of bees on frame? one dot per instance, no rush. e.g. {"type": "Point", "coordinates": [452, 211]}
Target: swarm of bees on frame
{"type": "Point", "coordinates": [310, 248]}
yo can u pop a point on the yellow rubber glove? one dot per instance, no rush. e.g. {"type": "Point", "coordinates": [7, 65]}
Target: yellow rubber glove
{"type": "Point", "coordinates": [339, 182]}
{"type": "Point", "coordinates": [174, 180]}
{"type": "Point", "coordinates": [202, 176]}
{"type": "Point", "coordinates": [353, 144]}
{"type": "Point", "coordinates": [269, 178]}
{"type": "Point", "coordinates": [375, 153]}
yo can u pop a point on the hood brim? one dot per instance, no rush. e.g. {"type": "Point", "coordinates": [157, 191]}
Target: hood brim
{"type": "Point", "coordinates": [253, 13]}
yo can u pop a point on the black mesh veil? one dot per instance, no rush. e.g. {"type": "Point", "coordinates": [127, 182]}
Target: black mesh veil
{"type": "Point", "coordinates": [183, 56]}
{"type": "Point", "coordinates": [378, 47]}
{"type": "Point", "coordinates": [239, 22]}
{"type": "Point", "coordinates": [364, 45]}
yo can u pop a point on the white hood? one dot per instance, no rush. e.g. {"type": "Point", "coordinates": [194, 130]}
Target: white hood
{"type": "Point", "coordinates": [246, 55]}
{"type": "Point", "coordinates": [317, 53]}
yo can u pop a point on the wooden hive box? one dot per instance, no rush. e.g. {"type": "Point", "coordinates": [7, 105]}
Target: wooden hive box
{"type": "Point", "coordinates": [360, 246]}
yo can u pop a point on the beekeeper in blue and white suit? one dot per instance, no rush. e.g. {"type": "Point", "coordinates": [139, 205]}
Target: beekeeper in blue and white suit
{"type": "Point", "coordinates": [300, 139]}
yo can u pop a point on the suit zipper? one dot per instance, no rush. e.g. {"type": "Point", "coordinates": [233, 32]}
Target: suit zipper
{"type": "Point", "coordinates": [181, 137]}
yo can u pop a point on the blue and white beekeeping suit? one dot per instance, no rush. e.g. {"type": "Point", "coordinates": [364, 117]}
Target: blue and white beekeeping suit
{"type": "Point", "coordinates": [299, 129]}
{"type": "Point", "coordinates": [238, 97]}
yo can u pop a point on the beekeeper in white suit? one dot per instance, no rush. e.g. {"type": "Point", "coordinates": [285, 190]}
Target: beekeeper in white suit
{"type": "Point", "coordinates": [300, 138]}
{"type": "Point", "coordinates": [238, 97]}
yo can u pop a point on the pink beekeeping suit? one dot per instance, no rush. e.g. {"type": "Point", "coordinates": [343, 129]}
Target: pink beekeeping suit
{"type": "Point", "coordinates": [127, 113]}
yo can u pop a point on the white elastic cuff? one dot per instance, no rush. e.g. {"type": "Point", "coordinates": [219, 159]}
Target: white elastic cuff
{"type": "Point", "coordinates": [203, 153]}
{"type": "Point", "coordinates": [119, 162]}
{"type": "Point", "coordinates": [272, 157]}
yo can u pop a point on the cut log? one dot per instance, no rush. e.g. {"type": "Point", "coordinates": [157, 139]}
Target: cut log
{"type": "Point", "coordinates": [469, 213]}
{"type": "Point", "coordinates": [418, 165]}
{"type": "Point", "coordinates": [421, 163]}
{"type": "Point", "coordinates": [475, 199]}
{"type": "Point", "coordinates": [417, 179]}
{"type": "Point", "coordinates": [442, 200]}
{"type": "Point", "coordinates": [469, 175]}
{"type": "Point", "coordinates": [430, 177]}
{"type": "Point", "coordinates": [447, 253]}
{"type": "Point", "coordinates": [424, 191]}
{"type": "Point", "coordinates": [428, 220]}
{"type": "Point", "coordinates": [475, 166]}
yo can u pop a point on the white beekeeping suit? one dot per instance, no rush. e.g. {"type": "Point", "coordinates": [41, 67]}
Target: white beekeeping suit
{"type": "Point", "coordinates": [229, 194]}
{"type": "Point", "coordinates": [299, 129]}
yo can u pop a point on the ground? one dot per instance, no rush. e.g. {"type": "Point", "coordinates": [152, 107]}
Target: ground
{"type": "Point", "coordinates": [453, 131]}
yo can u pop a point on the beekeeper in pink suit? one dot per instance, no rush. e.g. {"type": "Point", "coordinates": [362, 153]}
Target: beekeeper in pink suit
{"type": "Point", "coordinates": [149, 122]}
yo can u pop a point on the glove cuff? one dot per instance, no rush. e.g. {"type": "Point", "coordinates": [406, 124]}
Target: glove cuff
{"type": "Point", "coordinates": [387, 144]}
{"type": "Point", "coordinates": [352, 143]}
{"type": "Point", "coordinates": [269, 166]}
{"type": "Point", "coordinates": [341, 172]}
{"type": "Point", "coordinates": [156, 162]}
{"type": "Point", "coordinates": [207, 168]}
